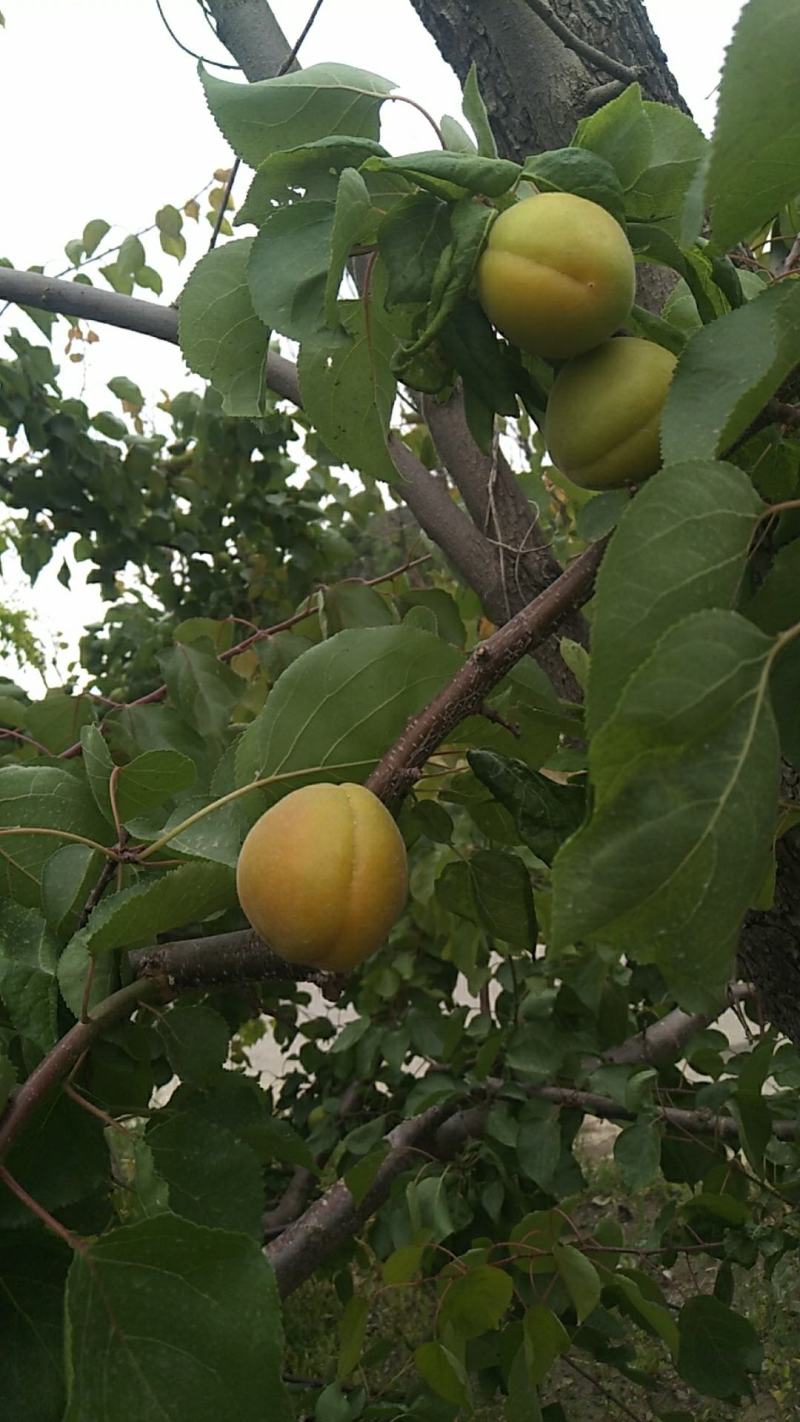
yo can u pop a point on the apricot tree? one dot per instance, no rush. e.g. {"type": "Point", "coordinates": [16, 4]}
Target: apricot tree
{"type": "Point", "coordinates": [580, 708]}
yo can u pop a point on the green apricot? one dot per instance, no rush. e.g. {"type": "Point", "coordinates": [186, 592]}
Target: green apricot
{"type": "Point", "coordinates": [603, 421]}
{"type": "Point", "coordinates": [557, 275]}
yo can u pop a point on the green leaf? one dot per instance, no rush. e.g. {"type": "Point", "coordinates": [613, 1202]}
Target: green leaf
{"type": "Point", "coordinates": [149, 278]}
{"type": "Point", "coordinates": [579, 1277]}
{"type": "Point", "coordinates": [238, 1104]}
{"type": "Point", "coordinates": [93, 234]}
{"type": "Point", "coordinates": [411, 239]}
{"type": "Point", "coordinates": [577, 170]}
{"type": "Point", "coordinates": [470, 222]}
{"type": "Point", "coordinates": [662, 333]}
{"type": "Point", "coordinates": [360, 1178]}
{"type": "Point", "coordinates": [296, 108]}
{"type": "Point", "coordinates": [125, 389]}
{"type": "Point", "coordinates": [217, 836]}
{"type": "Point", "coordinates": [680, 547]}
{"type": "Point", "coordinates": [28, 974]}
{"type": "Point", "coordinates": [539, 1150]}
{"type": "Point", "coordinates": [353, 222]}
{"type": "Point", "coordinates": [678, 150]}
{"type": "Point", "coordinates": [684, 774]}
{"type": "Point", "coordinates": [353, 604]}
{"type": "Point", "coordinates": [621, 133]}
{"type": "Point", "coordinates": [213, 1178]}
{"type": "Point", "coordinates": [546, 1339]}
{"type": "Point", "coordinates": [469, 172]}
{"type": "Point", "coordinates": [47, 797]}
{"type": "Point", "coordinates": [60, 1158]}
{"type": "Point", "coordinates": [441, 606]}
{"type": "Point", "coordinates": [288, 269]}
{"type": "Point", "coordinates": [57, 720]}
{"type": "Point", "coordinates": [193, 1311]}
{"type": "Point", "coordinates": [169, 222]}
{"type": "Point", "coordinates": [455, 135]}
{"type": "Point", "coordinates": [776, 603]}
{"type": "Point", "coordinates": [203, 689]}
{"type": "Point", "coordinates": [403, 1264]}
{"type": "Point", "coordinates": [110, 425]}
{"type": "Point", "coordinates": [220, 335]}
{"type": "Point", "coordinates": [718, 1348]}
{"type": "Point", "coordinates": [489, 368]}
{"type": "Point", "coordinates": [474, 110]}
{"type": "Point", "coordinates": [637, 1151]}
{"type": "Point", "coordinates": [314, 167]}
{"type": "Point", "coordinates": [74, 966]}
{"type": "Point", "coordinates": [195, 1039]}
{"type": "Point", "coordinates": [474, 1303]}
{"type": "Point", "coordinates": [492, 889]}
{"type": "Point", "coordinates": [727, 373]}
{"type": "Point", "coordinates": [443, 1373]}
{"type": "Point", "coordinates": [352, 1331]}
{"type": "Point", "coordinates": [348, 389]}
{"type": "Point", "coordinates": [388, 673]}
{"type": "Point", "coordinates": [150, 779]}
{"type": "Point", "coordinates": [754, 167]}
{"type": "Point", "coordinates": [33, 1268]}
{"type": "Point", "coordinates": [645, 1309]}
{"type": "Point", "coordinates": [545, 812]}
{"type": "Point", "coordinates": [522, 1399]}
{"type": "Point", "coordinates": [136, 916]}
{"type": "Point", "coordinates": [98, 763]}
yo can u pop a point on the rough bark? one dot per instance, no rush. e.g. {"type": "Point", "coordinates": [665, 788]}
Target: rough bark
{"type": "Point", "coordinates": [535, 87]}
{"type": "Point", "coordinates": [769, 952]}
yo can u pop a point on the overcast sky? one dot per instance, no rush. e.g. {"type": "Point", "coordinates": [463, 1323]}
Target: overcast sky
{"type": "Point", "coordinates": [104, 117]}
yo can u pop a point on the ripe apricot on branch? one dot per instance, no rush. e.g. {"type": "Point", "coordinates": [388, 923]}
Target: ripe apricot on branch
{"type": "Point", "coordinates": [322, 876]}
{"type": "Point", "coordinates": [604, 413]}
{"type": "Point", "coordinates": [557, 276]}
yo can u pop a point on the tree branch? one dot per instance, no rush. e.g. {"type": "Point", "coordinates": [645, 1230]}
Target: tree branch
{"type": "Point", "coordinates": [335, 1217]}
{"type": "Point", "coordinates": [488, 664]}
{"type": "Point", "coordinates": [219, 959]}
{"type": "Point", "coordinates": [442, 1132]}
{"type": "Point", "coordinates": [54, 1067]}
{"type": "Point", "coordinates": [520, 555]}
{"type": "Point", "coordinates": [665, 1040]}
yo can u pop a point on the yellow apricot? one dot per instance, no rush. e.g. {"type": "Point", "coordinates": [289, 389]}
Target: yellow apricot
{"type": "Point", "coordinates": [557, 276]}
{"type": "Point", "coordinates": [322, 876]}
{"type": "Point", "coordinates": [603, 421]}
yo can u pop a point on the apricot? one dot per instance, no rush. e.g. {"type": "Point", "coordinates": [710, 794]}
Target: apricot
{"type": "Point", "coordinates": [322, 876]}
{"type": "Point", "coordinates": [557, 275]}
{"type": "Point", "coordinates": [603, 420]}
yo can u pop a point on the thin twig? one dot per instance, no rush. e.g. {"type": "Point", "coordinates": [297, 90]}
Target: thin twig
{"type": "Point", "coordinates": [792, 262]}
{"type": "Point", "coordinates": [260, 635]}
{"type": "Point", "coordinates": [587, 51]}
{"type": "Point", "coordinates": [56, 1065]}
{"type": "Point", "coordinates": [49, 1221]}
{"type": "Point", "coordinates": [217, 63]}
{"type": "Point", "coordinates": [93, 1110]}
{"type": "Point", "coordinates": [601, 1388]}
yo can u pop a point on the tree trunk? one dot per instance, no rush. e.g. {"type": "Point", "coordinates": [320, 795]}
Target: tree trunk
{"type": "Point", "coordinates": [536, 88]}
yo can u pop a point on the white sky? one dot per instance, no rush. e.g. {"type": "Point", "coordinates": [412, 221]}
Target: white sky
{"type": "Point", "coordinates": [107, 119]}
